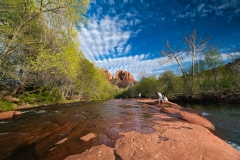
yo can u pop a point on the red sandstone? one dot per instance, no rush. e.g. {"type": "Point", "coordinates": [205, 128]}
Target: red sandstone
{"type": "Point", "coordinates": [184, 137]}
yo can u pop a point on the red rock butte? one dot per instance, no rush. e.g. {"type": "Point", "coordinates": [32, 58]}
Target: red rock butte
{"type": "Point", "coordinates": [124, 75]}
{"type": "Point", "coordinates": [122, 78]}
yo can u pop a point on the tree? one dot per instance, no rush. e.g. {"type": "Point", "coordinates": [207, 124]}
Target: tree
{"type": "Point", "coordinates": [213, 62]}
{"type": "Point", "coordinates": [195, 48]}
{"type": "Point", "coordinates": [235, 56]}
{"type": "Point", "coordinates": [16, 15]}
{"type": "Point", "coordinates": [33, 30]}
{"type": "Point", "coordinates": [148, 86]}
{"type": "Point", "coordinates": [167, 82]}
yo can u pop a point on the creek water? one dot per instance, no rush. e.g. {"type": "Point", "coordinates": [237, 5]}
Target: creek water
{"type": "Point", "coordinates": [34, 134]}
{"type": "Point", "coordinates": [225, 117]}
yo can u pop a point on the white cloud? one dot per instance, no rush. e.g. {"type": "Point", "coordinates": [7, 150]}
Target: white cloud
{"type": "Point", "coordinates": [135, 65]}
{"type": "Point", "coordinates": [111, 2]}
{"type": "Point", "coordinates": [200, 7]}
{"type": "Point", "coordinates": [105, 37]}
{"type": "Point", "coordinates": [125, 1]}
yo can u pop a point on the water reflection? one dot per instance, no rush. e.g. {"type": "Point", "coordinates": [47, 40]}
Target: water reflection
{"type": "Point", "coordinates": [45, 126]}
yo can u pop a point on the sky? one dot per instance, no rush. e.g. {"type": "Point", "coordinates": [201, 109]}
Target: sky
{"type": "Point", "coordinates": [130, 35]}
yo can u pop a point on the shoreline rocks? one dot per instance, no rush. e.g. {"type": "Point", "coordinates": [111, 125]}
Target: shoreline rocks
{"type": "Point", "coordinates": [9, 114]}
{"type": "Point", "coordinates": [180, 134]}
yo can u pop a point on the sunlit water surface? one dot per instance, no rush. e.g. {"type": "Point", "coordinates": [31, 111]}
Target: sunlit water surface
{"type": "Point", "coordinates": [34, 134]}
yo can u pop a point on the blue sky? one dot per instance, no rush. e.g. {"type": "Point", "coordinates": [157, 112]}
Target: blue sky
{"type": "Point", "coordinates": [130, 34]}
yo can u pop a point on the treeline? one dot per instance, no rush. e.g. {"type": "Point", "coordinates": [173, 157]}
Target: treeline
{"type": "Point", "coordinates": [208, 81]}
{"type": "Point", "coordinates": [40, 59]}
{"type": "Point", "coordinates": [208, 75]}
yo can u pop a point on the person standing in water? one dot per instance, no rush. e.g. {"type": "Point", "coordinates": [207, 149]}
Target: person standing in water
{"type": "Point", "coordinates": [139, 95]}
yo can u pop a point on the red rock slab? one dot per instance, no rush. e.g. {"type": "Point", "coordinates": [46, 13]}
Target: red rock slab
{"type": "Point", "coordinates": [7, 115]}
{"type": "Point", "coordinates": [171, 104]}
{"type": "Point", "coordinates": [191, 117]}
{"type": "Point", "coordinates": [190, 110]}
{"type": "Point", "coordinates": [174, 140]}
{"type": "Point", "coordinates": [101, 152]}
{"type": "Point", "coordinates": [88, 137]}
{"type": "Point", "coordinates": [17, 113]}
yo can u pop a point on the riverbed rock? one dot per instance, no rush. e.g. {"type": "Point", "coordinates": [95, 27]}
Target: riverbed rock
{"type": "Point", "coordinates": [7, 115]}
{"type": "Point", "coordinates": [176, 140]}
{"type": "Point", "coordinates": [100, 152]}
{"type": "Point", "coordinates": [173, 138]}
{"type": "Point", "coordinates": [88, 137]}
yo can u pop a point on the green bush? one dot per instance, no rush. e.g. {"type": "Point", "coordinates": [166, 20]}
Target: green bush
{"type": "Point", "coordinates": [47, 97]}
{"type": "Point", "coordinates": [6, 106]}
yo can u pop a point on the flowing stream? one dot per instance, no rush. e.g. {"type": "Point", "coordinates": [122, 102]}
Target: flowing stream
{"type": "Point", "coordinates": [34, 135]}
{"type": "Point", "coordinates": [54, 132]}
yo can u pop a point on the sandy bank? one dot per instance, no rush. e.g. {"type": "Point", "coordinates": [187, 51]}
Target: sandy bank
{"type": "Point", "coordinates": [180, 134]}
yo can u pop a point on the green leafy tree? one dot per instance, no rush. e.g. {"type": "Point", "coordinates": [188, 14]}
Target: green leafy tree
{"type": "Point", "coordinates": [168, 83]}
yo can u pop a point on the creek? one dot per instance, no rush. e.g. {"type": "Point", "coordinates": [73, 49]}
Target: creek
{"type": "Point", "coordinates": [34, 134]}
{"type": "Point", "coordinates": [55, 132]}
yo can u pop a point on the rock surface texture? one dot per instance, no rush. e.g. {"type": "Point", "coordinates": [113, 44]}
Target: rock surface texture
{"type": "Point", "coordinates": [180, 134]}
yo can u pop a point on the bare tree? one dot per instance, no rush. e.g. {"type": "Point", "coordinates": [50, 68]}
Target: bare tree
{"type": "Point", "coordinates": [195, 48]}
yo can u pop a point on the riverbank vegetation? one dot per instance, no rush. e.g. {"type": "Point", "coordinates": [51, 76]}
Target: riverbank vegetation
{"type": "Point", "coordinates": [210, 78]}
{"type": "Point", "coordinates": [213, 85]}
{"type": "Point", "coordinates": [40, 59]}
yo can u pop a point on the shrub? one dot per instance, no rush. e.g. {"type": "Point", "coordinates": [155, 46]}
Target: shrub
{"type": "Point", "coordinates": [47, 97]}
{"type": "Point", "coordinates": [6, 106]}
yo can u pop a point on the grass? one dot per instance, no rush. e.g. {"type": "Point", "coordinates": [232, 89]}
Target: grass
{"type": "Point", "coordinates": [6, 106]}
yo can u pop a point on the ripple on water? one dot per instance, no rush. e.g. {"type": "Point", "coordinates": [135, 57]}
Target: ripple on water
{"type": "Point", "coordinates": [34, 110]}
{"type": "Point", "coordinates": [2, 122]}
{"type": "Point", "coordinates": [234, 145]}
{"type": "Point", "coordinates": [205, 113]}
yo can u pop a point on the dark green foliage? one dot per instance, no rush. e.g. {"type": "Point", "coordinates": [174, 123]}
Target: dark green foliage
{"type": "Point", "coordinates": [44, 97]}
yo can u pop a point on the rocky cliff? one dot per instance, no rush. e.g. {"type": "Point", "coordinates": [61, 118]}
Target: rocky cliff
{"type": "Point", "coordinates": [124, 75]}
{"type": "Point", "coordinates": [122, 78]}
{"type": "Point", "coordinates": [108, 74]}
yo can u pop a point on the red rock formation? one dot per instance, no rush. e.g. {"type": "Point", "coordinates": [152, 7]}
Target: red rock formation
{"type": "Point", "coordinates": [124, 75]}
{"type": "Point", "coordinates": [122, 78]}
{"type": "Point", "coordinates": [108, 74]}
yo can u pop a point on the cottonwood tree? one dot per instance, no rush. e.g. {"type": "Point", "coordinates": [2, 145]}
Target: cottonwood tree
{"type": "Point", "coordinates": [17, 14]}
{"type": "Point", "coordinates": [195, 48]}
{"type": "Point", "coordinates": [30, 28]}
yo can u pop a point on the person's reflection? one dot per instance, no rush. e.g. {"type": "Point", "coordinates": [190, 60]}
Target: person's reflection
{"type": "Point", "coordinates": [24, 151]}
